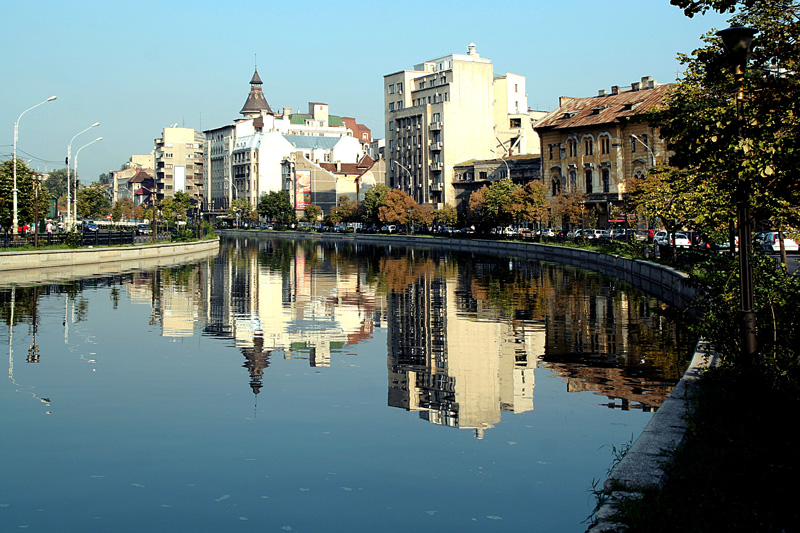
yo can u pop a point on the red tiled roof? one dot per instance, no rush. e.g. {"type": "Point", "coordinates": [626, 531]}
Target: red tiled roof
{"type": "Point", "coordinates": [608, 109]}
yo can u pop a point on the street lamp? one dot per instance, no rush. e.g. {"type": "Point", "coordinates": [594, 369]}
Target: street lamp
{"type": "Point", "coordinates": [75, 172]}
{"type": "Point", "coordinates": [646, 147]}
{"type": "Point", "coordinates": [15, 222]}
{"type": "Point", "coordinates": [69, 154]}
{"type": "Point", "coordinates": [508, 171]}
{"type": "Point", "coordinates": [410, 176]}
{"type": "Point", "coordinates": [737, 41]}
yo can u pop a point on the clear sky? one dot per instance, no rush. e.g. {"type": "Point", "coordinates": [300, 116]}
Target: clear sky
{"type": "Point", "coordinates": [137, 67]}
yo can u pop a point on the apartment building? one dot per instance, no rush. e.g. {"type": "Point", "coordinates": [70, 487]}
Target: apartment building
{"type": "Point", "coordinates": [446, 111]}
{"type": "Point", "coordinates": [596, 146]}
{"type": "Point", "coordinates": [178, 159]}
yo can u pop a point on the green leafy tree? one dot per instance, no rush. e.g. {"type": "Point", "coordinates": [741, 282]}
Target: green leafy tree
{"type": "Point", "coordinates": [24, 193]}
{"type": "Point", "coordinates": [277, 207]}
{"type": "Point", "coordinates": [56, 182]}
{"type": "Point", "coordinates": [422, 216]}
{"type": "Point", "coordinates": [374, 199]}
{"type": "Point", "coordinates": [242, 209]}
{"type": "Point", "coordinates": [530, 203]}
{"type": "Point", "coordinates": [93, 202]}
{"type": "Point", "coordinates": [312, 213]}
{"type": "Point", "coordinates": [758, 158]}
{"type": "Point", "coordinates": [569, 207]}
{"type": "Point", "coordinates": [446, 216]}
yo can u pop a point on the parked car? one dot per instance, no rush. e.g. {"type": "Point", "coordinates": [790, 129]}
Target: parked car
{"type": "Point", "coordinates": [143, 229]}
{"type": "Point", "coordinates": [770, 242]}
{"type": "Point", "coordinates": [679, 239]}
{"type": "Point", "coordinates": [90, 226]}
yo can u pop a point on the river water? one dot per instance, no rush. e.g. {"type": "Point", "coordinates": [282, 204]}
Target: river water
{"type": "Point", "coordinates": [303, 386]}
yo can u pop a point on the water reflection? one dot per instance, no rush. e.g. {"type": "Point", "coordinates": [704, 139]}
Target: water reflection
{"type": "Point", "coordinates": [464, 333]}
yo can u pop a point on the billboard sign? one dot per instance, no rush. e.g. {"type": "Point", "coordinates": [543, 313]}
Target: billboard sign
{"type": "Point", "coordinates": [302, 188]}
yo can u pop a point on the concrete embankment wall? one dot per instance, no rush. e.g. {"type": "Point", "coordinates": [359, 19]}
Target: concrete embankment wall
{"type": "Point", "coordinates": [665, 283]}
{"type": "Point", "coordinates": [54, 265]}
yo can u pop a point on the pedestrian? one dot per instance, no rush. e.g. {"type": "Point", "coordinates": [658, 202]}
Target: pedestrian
{"type": "Point", "coordinates": [49, 228]}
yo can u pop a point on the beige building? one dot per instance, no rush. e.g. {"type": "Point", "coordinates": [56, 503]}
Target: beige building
{"type": "Point", "coordinates": [595, 146]}
{"type": "Point", "coordinates": [446, 111]}
{"type": "Point", "coordinates": [179, 163]}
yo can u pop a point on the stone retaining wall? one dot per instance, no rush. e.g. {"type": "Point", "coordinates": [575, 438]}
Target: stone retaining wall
{"type": "Point", "coordinates": [54, 265]}
{"type": "Point", "coordinates": [665, 283]}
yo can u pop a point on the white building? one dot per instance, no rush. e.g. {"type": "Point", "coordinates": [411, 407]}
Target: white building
{"type": "Point", "coordinates": [243, 160]}
{"type": "Point", "coordinates": [446, 111]}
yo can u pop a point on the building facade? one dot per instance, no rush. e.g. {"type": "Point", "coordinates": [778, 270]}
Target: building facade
{"type": "Point", "coordinates": [446, 111]}
{"type": "Point", "coordinates": [179, 164]}
{"type": "Point", "coordinates": [596, 146]}
{"type": "Point", "coordinates": [245, 159]}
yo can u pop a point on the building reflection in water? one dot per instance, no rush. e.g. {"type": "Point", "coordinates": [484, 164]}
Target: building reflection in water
{"type": "Point", "coordinates": [465, 333]}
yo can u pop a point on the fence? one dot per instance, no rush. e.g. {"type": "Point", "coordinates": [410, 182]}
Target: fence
{"type": "Point", "coordinates": [93, 238]}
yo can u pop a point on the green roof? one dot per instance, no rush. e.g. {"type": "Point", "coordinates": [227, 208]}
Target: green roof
{"type": "Point", "coordinates": [300, 118]}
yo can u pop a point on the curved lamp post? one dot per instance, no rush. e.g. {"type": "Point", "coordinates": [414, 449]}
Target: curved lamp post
{"type": "Point", "coordinates": [737, 41]}
{"type": "Point", "coordinates": [410, 176]}
{"type": "Point", "coordinates": [646, 147]}
{"type": "Point", "coordinates": [15, 222]}
{"type": "Point", "coordinates": [75, 172]}
{"type": "Point", "coordinates": [69, 154]}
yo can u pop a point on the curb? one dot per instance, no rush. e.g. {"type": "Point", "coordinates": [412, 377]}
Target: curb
{"type": "Point", "coordinates": [641, 466]}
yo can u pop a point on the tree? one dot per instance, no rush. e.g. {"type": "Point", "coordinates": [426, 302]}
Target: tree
{"type": "Point", "coordinates": [344, 211]}
{"type": "Point", "coordinates": [446, 216]}
{"type": "Point", "coordinates": [277, 207]}
{"type": "Point", "coordinates": [569, 207]}
{"type": "Point", "coordinates": [242, 209]}
{"type": "Point", "coordinates": [529, 202]}
{"type": "Point", "coordinates": [56, 182]}
{"type": "Point", "coordinates": [123, 208]}
{"type": "Point", "coordinates": [312, 213]}
{"type": "Point", "coordinates": [757, 159]}
{"type": "Point", "coordinates": [93, 202]}
{"type": "Point", "coordinates": [397, 208]}
{"type": "Point", "coordinates": [422, 215]}
{"type": "Point", "coordinates": [374, 199]}
{"type": "Point", "coordinates": [24, 193]}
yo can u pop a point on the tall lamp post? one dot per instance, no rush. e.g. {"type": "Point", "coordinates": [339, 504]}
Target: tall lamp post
{"type": "Point", "coordinates": [75, 173]}
{"type": "Point", "coordinates": [66, 162]}
{"type": "Point", "coordinates": [737, 41]}
{"type": "Point", "coordinates": [646, 147]}
{"type": "Point", "coordinates": [15, 222]}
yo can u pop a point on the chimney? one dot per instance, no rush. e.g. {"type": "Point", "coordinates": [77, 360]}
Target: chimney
{"type": "Point", "coordinates": [601, 92]}
{"type": "Point", "coordinates": [287, 111]}
{"type": "Point", "coordinates": [647, 82]}
{"type": "Point", "coordinates": [615, 89]}
{"type": "Point", "coordinates": [634, 86]}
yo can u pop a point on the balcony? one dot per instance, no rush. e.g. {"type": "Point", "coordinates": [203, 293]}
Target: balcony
{"type": "Point", "coordinates": [436, 145]}
{"type": "Point", "coordinates": [436, 126]}
{"type": "Point", "coordinates": [436, 186]}
{"type": "Point", "coordinates": [437, 166]}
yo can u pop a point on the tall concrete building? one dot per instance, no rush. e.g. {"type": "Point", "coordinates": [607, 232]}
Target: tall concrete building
{"type": "Point", "coordinates": [446, 111]}
{"type": "Point", "coordinates": [179, 163]}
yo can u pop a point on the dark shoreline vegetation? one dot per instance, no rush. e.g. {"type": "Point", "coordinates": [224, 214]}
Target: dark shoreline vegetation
{"type": "Point", "coordinates": [737, 462]}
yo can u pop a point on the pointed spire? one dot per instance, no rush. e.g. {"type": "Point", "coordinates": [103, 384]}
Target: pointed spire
{"type": "Point", "coordinates": [256, 101]}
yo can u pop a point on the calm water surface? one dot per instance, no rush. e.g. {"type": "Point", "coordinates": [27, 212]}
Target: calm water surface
{"type": "Point", "coordinates": [314, 387]}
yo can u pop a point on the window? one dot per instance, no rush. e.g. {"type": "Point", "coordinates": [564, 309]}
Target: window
{"type": "Point", "coordinates": [421, 84]}
{"type": "Point", "coordinates": [633, 144]}
{"type": "Point", "coordinates": [400, 87]}
{"type": "Point", "coordinates": [391, 88]}
{"type": "Point", "coordinates": [391, 106]}
{"type": "Point", "coordinates": [588, 146]}
{"type": "Point", "coordinates": [588, 182]}
{"type": "Point", "coordinates": [573, 181]}
{"type": "Point", "coordinates": [436, 117]}
{"type": "Point", "coordinates": [515, 123]}
{"type": "Point", "coordinates": [605, 145]}
{"type": "Point", "coordinates": [605, 180]}
{"type": "Point", "coordinates": [556, 185]}
{"type": "Point", "coordinates": [550, 147]}
{"type": "Point", "coordinates": [399, 105]}
{"type": "Point", "coordinates": [573, 148]}
{"type": "Point", "coordinates": [391, 125]}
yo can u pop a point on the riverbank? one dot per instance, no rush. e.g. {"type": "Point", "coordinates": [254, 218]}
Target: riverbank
{"type": "Point", "coordinates": [39, 266]}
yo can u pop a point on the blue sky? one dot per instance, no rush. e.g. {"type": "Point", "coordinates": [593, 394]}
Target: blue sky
{"type": "Point", "coordinates": [137, 67]}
